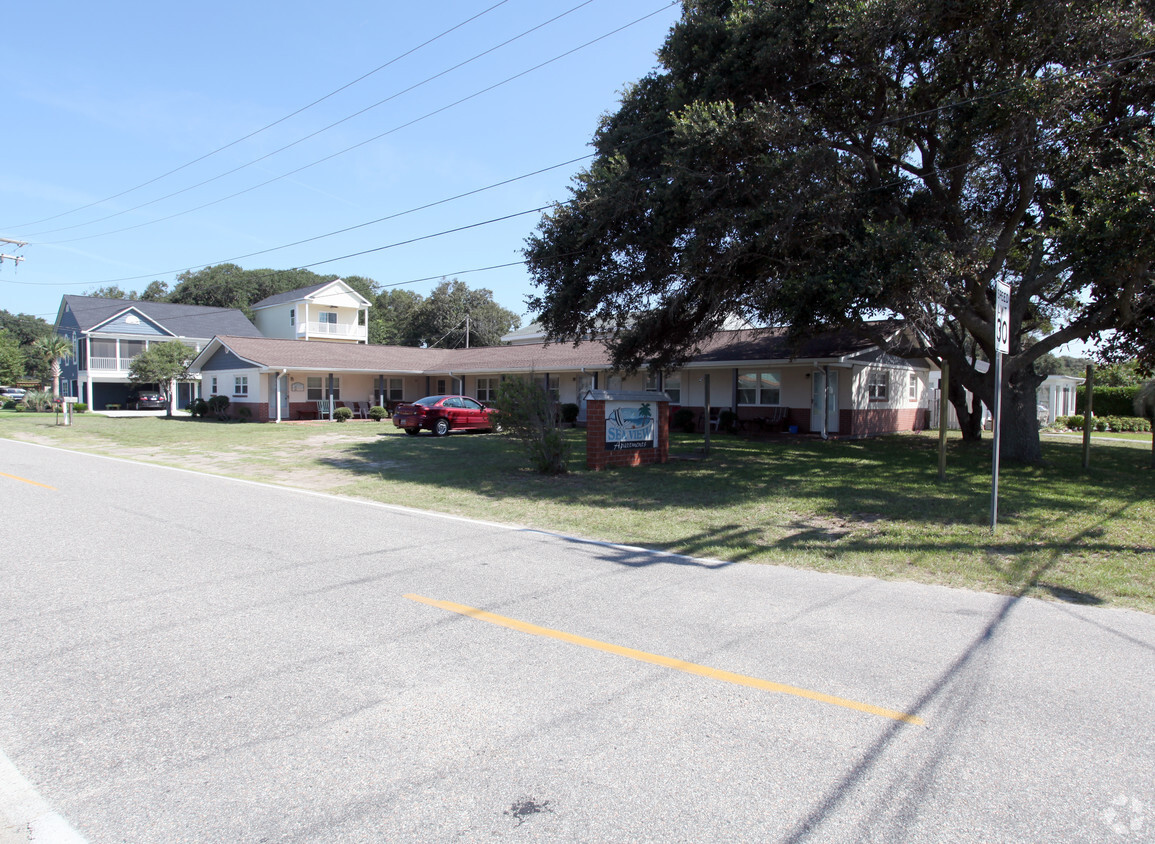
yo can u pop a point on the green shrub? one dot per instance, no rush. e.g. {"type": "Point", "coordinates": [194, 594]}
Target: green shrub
{"type": "Point", "coordinates": [569, 413]}
{"type": "Point", "coordinates": [1127, 424]}
{"type": "Point", "coordinates": [342, 414]}
{"type": "Point", "coordinates": [1108, 401]}
{"type": "Point", "coordinates": [378, 413]}
{"type": "Point", "coordinates": [79, 407]}
{"type": "Point", "coordinates": [727, 420]}
{"type": "Point", "coordinates": [39, 401]}
{"type": "Point", "coordinates": [10, 404]}
{"type": "Point", "coordinates": [219, 407]}
{"type": "Point", "coordinates": [683, 419]}
{"type": "Point", "coordinates": [531, 415]}
{"type": "Point", "coordinates": [198, 407]}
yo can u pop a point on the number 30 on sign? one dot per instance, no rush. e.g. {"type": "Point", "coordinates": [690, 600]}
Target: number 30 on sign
{"type": "Point", "coordinates": [1002, 317]}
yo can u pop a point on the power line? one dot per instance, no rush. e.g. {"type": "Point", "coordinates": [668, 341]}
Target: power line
{"type": "Point", "coordinates": [347, 229]}
{"type": "Point", "coordinates": [393, 245]}
{"type": "Point", "coordinates": [405, 125]}
{"type": "Point", "coordinates": [300, 140]}
{"type": "Point", "coordinates": [187, 164]}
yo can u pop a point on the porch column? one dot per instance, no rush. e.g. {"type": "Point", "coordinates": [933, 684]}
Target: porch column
{"type": "Point", "coordinates": [331, 402]}
{"type": "Point", "coordinates": [277, 396]}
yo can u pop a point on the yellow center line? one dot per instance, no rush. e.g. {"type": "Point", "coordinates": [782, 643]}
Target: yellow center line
{"type": "Point", "coordinates": [25, 480]}
{"type": "Point", "coordinates": [665, 661]}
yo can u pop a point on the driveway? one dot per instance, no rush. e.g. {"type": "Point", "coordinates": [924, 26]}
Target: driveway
{"type": "Point", "coordinates": [195, 658]}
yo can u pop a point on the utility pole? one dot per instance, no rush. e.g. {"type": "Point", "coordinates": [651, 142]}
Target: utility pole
{"type": "Point", "coordinates": [15, 259]}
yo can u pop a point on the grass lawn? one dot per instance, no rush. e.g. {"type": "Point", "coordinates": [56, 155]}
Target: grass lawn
{"type": "Point", "coordinates": [866, 507]}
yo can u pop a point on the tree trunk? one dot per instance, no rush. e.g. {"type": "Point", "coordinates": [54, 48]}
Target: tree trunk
{"type": "Point", "coordinates": [1152, 418]}
{"type": "Point", "coordinates": [970, 418]}
{"type": "Point", "coordinates": [1020, 423]}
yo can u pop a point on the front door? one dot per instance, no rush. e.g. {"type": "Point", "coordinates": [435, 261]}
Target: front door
{"type": "Point", "coordinates": [279, 390]}
{"type": "Point", "coordinates": [824, 402]}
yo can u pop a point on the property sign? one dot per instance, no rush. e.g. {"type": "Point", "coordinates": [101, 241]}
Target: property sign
{"type": "Point", "coordinates": [1002, 317]}
{"type": "Point", "coordinates": [630, 425]}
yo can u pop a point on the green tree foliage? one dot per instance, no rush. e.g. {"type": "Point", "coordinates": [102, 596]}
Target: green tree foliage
{"type": "Point", "coordinates": [811, 162]}
{"type": "Point", "coordinates": [27, 329]}
{"type": "Point", "coordinates": [220, 286]}
{"type": "Point", "coordinates": [1050, 364]}
{"type": "Point", "coordinates": [441, 319]}
{"type": "Point", "coordinates": [11, 358]}
{"type": "Point", "coordinates": [157, 291]}
{"type": "Point", "coordinates": [161, 364]}
{"type": "Point", "coordinates": [111, 292]}
{"type": "Point", "coordinates": [391, 318]}
{"type": "Point", "coordinates": [530, 414]}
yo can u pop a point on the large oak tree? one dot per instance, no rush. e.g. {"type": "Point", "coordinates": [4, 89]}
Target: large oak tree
{"type": "Point", "coordinates": [826, 162]}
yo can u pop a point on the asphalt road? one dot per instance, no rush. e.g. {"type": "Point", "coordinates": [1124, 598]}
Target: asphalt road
{"type": "Point", "coordinates": [190, 658]}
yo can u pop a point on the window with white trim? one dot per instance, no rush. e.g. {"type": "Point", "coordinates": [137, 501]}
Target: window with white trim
{"type": "Point", "coordinates": [486, 389]}
{"type": "Point", "coordinates": [552, 386]}
{"type": "Point", "coordinates": [241, 385]}
{"type": "Point", "coordinates": [315, 388]}
{"type": "Point", "coordinates": [293, 316]}
{"type": "Point", "coordinates": [878, 385]}
{"type": "Point", "coordinates": [396, 389]}
{"type": "Point", "coordinates": [913, 387]}
{"type": "Point", "coordinates": [213, 388]}
{"type": "Point", "coordinates": [673, 387]}
{"type": "Point", "coordinates": [760, 388]}
{"type": "Point", "coordinates": [653, 381]}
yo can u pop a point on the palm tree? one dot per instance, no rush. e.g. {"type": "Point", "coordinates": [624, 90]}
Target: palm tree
{"type": "Point", "coordinates": [1145, 406]}
{"type": "Point", "coordinates": [55, 349]}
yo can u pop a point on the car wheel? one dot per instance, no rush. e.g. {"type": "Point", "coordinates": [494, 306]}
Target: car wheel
{"type": "Point", "coordinates": [412, 431]}
{"type": "Point", "coordinates": [441, 427]}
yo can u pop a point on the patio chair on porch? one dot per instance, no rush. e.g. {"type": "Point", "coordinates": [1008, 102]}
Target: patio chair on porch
{"type": "Point", "coordinates": [361, 409]}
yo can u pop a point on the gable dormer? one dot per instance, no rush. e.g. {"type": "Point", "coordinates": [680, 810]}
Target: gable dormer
{"type": "Point", "coordinates": [331, 311]}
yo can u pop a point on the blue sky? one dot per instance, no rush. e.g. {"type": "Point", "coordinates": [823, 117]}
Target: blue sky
{"type": "Point", "coordinates": [105, 97]}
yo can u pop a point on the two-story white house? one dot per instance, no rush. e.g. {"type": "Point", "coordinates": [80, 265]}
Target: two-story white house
{"type": "Point", "coordinates": [331, 311]}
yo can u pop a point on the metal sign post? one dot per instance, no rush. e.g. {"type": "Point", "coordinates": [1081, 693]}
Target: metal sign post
{"type": "Point", "coordinates": [1002, 347]}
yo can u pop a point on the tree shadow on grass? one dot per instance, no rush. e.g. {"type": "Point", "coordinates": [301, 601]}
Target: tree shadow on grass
{"type": "Point", "coordinates": [826, 498]}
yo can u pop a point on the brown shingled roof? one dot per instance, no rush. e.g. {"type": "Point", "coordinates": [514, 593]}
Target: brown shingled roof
{"type": "Point", "coordinates": [763, 344]}
{"type": "Point", "coordinates": [350, 357]}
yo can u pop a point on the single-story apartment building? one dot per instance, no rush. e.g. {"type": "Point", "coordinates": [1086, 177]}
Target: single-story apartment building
{"type": "Point", "coordinates": [837, 383]}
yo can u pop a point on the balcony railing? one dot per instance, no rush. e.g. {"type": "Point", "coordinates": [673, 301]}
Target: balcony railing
{"type": "Point", "coordinates": [333, 329]}
{"type": "Point", "coordinates": [110, 364]}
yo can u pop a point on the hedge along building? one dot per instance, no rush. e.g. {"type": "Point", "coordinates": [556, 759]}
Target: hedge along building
{"type": "Point", "coordinates": [835, 383]}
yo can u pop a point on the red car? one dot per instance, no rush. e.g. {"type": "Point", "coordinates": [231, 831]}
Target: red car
{"type": "Point", "coordinates": [442, 414]}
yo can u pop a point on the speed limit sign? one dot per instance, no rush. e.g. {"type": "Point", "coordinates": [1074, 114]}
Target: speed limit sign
{"type": "Point", "coordinates": [1002, 317]}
